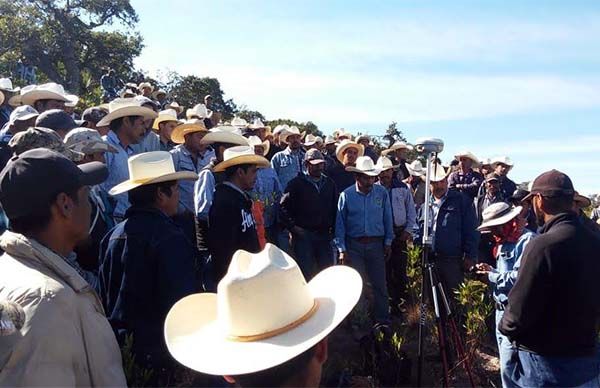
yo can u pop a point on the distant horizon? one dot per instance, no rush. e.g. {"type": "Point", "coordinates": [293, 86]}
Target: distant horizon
{"type": "Point", "coordinates": [512, 79]}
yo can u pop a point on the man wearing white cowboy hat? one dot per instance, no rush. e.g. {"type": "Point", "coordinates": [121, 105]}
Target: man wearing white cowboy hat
{"type": "Point", "coordinates": [160, 97]}
{"type": "Point", "coordinates": [288, 163]}
{"type": "Point", "coordinates": [308, 210]}
{"type": "Point", "coordinates": [404, 217]}
{"type": "Point", "coordinates": [189, 155]}
{"type": "Point", "coordinates": [346, 154]}
{"type": "Point", "coordinates": [365, 140]}
{"type": "Point", "coordinates": [453, 227]}
{"type": "Point", "coordinates": [145, 89]}
{"type": "Point", "coordinates": [276, 144]}
{"type": "Point", "coordinates": [503, 222]}
{"type": "Point", "coordinates": [489, 194]}
{"type": "Point", "coordinates": [502, 166]}
{"type": "Point", "coordinates": [265, 194]}
{"type": "Point", "coordinates": [126, 120]}
{"type": "Point", "coordinates": [364, 231]}
{"type": "Point", "coordinates": [264, 338]}
{"type": "Point", "coordinates": [147, 262]}
{"type": "Point", "coordinates": [329, 152]}
{"type": "Point", "coordinates": [416, 182]}
{"type": "Point", "coordinates": [231, 223]}
{"type": "Point", "coordinates": [6, 91]}
{"type": "Point", "coordinates": [164, 125]}
{"type": "Point", "coordinates": [466, 180]}
{"type": "Point", "coordinates": [398, 153]}
{"type": "Point", "coordinates": [257, 128]}
{"type": "Point", "coordinates": [150, 142]}
{"type": "Point", "coordinates": [311, 141]}
{"type": "Point", "coordinates": [45, 97]}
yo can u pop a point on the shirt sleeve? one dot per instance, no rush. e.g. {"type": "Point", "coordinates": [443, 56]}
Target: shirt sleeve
{"type": "Point", "coordinates": [411, 212]}
{"type": "Point", "coordinates": [204, 190]}
{"type": "Point", "coordinates": [340, 224]}
{"type": "Point", "coordinates": [387, 220]}
{"type": "Point", "coordinates": [469, 229]}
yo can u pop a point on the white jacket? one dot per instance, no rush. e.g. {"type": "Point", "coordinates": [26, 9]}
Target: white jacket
{"type": "Point", "coordinates": [66, 339]}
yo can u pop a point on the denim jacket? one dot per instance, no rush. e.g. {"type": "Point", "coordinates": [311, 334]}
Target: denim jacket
{"type": "Point", "coordinates": [182, 159]}
{"type": "Point", "coordinates": [287, 165]}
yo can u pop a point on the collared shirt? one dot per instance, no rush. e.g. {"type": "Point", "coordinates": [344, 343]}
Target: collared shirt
{"type": "Point", "coordinates": [183, 161]}
{"type": "Point", "coordinates": [118, 171]}
{"type": "Point", "coordinates": [404, 213]}
{"type": "Point", "coordinates": [363, 215]}
{"type": "Point", "coordinates": [267, 190]}
{"type": "Point", "coordinates": [150, 142]}
{"type": "Point", "coordinates": [204, 191]}
{"type": "Point", "coordinates": [468, 183]}
{"type": "Point", "coordinates": [287, 164]}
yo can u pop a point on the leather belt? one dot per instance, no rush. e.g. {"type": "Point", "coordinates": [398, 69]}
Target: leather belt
{"type": "Point", "coordinates": [367, 239]}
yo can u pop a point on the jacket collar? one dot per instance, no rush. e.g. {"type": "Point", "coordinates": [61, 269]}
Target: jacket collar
{"type": "Point", "coordinates": [27, 249]}
{"type": "Point", "coordinates": [559, 218]}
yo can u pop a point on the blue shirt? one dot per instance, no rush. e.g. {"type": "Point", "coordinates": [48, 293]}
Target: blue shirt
{"type": "Point", "coordinates": [182, 159]}
{"type": "Point", "coordinates": [404, 212]}
{"type": "Point", "coordinates": [118, 171]}
{"type": "Point", "coordinates": [504, 276]}
{"type": "Point", "coordinates": [287, 164]}
{"type": "Point", "coordinates": [150, 142]}
{"type": "Point", "coordinates": [204, 191]}
{"type": "Point", "coordinates": [268, 191]}
{"type": "Point", "coordinates": [363, 215]}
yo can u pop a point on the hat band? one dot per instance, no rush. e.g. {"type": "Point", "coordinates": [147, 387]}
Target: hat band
{"type": "Point", "coordinates": [273, 333]}
{"type": "Point", "coordinates": [502, 213]}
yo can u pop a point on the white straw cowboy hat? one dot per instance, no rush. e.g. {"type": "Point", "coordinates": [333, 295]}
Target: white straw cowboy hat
{"type": "Point", "coordinates": [199, 111]}
{"type": "Point", "coordinates": [280, 128]}
{"type": "Point", "coordinates": [344, 145]}
{"type": "Point", "coordinates": [15, 100]}
{"type": "Point", "coordinates": [222, 134]}
{"type": "Point", "coordinates": [310, 140]}
{"type": "Point", "coordinates": [239, 122]}
{"type": "Point", "coordinates": [143, 85]}
{"type": "Point", "coordinates": [124, 107]}
{"type": "Point", "coordinates": [365, 165]}
{"type": "Point", "coordinates": [293, 130]}
{"type": "Point", "coordinates": [362, 137]}
{"type": "Point", "coordinates": [234, 156]}
{"type": "Point", "coordinates": [498, 214]}
{"type": "Point", "coordinates": [157, 92]}
{"type": "Point", "coordinates": [189, 126]}
{"type": "Point", "coordinates": [340, 134]}
{"type": "Point", "coordinates": [165, 116]}
{"type": "Point", "coordinates": [257, 124]}
{"type": "Point", "coordinates": [73, 101]}
{"type": "Point", "coordinates": [148, 168]}
{"type": "Point", "coordinates": [384, 163]}
{"type": "Point", "coordinates": [174, 105]}
{"type": "Point", "coordinates": [7, 86]}
{"type": "Point", "coordinates": [254, 141]}
{"type": "Point", "coordinates": [415, 168]}
{"type": "Point", "coordinates": [49, 91]}
{"type": "Point", "coordinates": [503, 160]}
{"type": "Point", "coordinates": [329, 140]}
{"type": "Point", "coordinates": [438, 172]}
{"type": "Point", "coordinates": [263, 314]}
{"type": "Point", "coordinates": [1, 98]}
{"type": "Point", "coordinates": [467, 154]}
{"type": "Point", "coordinates": [399, 145]}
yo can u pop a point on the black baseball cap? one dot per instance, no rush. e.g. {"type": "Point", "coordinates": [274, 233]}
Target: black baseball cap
{"type": "Point", "coordinates": [31, 180]}
{"type": "Point", "coordinates": [552, 183]}
{"type": "Point", "coordinates": [93, 114]}
{"type": "Point", "coordinates": [56, 119]}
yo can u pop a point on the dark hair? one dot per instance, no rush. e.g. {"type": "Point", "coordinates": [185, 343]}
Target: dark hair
{"type": "Point", "coordinates": [278, 375]}
{"type": "Point", "coordinates": [40, 217]}
{"type": "Point", "coordinates": [558, 204]}
{"type": "Point", "coordinates": [230, 171]}
{"type": "Point", "coordinates": [145, 195]}
{"type": "Point", "coordinates": [118, 122]}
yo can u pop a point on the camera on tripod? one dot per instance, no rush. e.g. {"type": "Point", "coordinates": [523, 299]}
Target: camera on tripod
{"type": "Point", "coordinates": [429, 145]}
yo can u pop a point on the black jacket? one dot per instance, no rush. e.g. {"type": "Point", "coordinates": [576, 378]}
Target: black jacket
{"type": "Point", "coordinates": [342, 178]}
{"type": "Point", "coordinates": [304, 206]}
{"type": "Point", "coordinates": [231, 227]}
{"type": "Point", "coordinates": [554, 307]}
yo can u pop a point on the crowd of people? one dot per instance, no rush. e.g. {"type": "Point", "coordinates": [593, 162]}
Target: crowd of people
{"type": "Point", "coordinates": [236, 248]}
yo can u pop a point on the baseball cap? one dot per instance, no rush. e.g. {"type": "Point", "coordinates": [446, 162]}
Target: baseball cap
{"type": "Point", "coordinates": [87, 141]}
{"type": "Point", "coordinates": [93, 114]}
{"type": "Point", "coordinates": [32, 179]}
{"type": "Point", "coordinates": [314, 156]}
{"type": "Point", "coordinates": [552, 183]}
{"type": "Point", "coordinates": [491, 177]}
{"type": "Point", "coordinates": [22, 113]}
{"type": "Point", "coordinates": [39, 137]}
{"type": "Point", "coordinates": [56, 119]}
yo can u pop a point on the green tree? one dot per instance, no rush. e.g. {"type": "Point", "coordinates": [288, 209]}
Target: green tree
{"type": "Point", "coordinates": [393, 134]}
{"type": "Point", "coordinates": [64, 40]}
{"type": "Point", "coordinates": [190, 90]}
{"type": "Point", "coordinates": [250, 115]}
{"type": "Point", "coordinates": [308, 127]}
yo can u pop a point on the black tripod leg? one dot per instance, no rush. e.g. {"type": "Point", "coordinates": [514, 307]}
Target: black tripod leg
{"type": "Point", "coordinates": [420, 351]}
{"type": "Point", "coordinates": [440, 322]}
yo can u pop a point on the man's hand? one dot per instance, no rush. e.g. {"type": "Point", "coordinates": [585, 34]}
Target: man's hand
{"type": "Point", "coordinates": [343, 259]}
{"type": "Point", "coordinates": [468, 264]}
{"type": "Point", "coordinates": [405, 236]}
{"type": "Point", "coordinates": [387, 252]}
{"type": "Point", "coordinates": [483, 268]}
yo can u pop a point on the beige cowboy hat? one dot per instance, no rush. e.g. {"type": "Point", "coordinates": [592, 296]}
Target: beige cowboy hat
{"type": "Point", "coordinates": [399, 145]}
{"type": "Point", "coordinates": [254, 141]}
{"type": "Point", "coordinates": [174, 105]}
{"type": "Point", "coordinates": [415, 168]}
{"type": "Point", "coordinates": [1, 98]}
{"type": "Point", "coordinates": [7, 86]}
{"type": "Point", "coordinates": [239, 122]}
{"type": "Point", "coordinates": [246, 327]}
{"type": "Point", "coordinates": [439, 172]}
{"type": "Point", "coordinates": [257, 124]}
{"type": "Point", "coordinates": [124, 107]}
{"type": "Point", "coordinates": [362, 137]}
{"type": "Point", "coordinates": [502, 160]}
{"type": "Point", "coordinates": [384, 163]}
{"type": "Point", "coordinates": [165, 116]}
{"type": "Point", "coordinates": [143, 85]}
{"type": "Point", "coordinates": [344, 145]}
{"type": "Point", "coordinates": [148, 168]}
{"type": "Point", "coordinates": [128, 93]}
{"type": "Point", "coordinates": [199, 111]}
{"type": "Point", "coordinates": [73, 101]}
{"type": "Point", "coordinates": [340, 134]}
{"type": "Point", "coordinates": [224, 134]}
{"type": "Point", "coordinates": [293, 130]}
{"type": "Point", "coordinates": [365, 165]}
{"type": "Point", "coordinates": [234, 156]}
{"type": "Point", "coordinates": [189, 126]}
{"type": "Point", "coordinates": [311, 140]}
{"type": "Point", "coordinates": [49, 91]}
{"type": "Point", "coordinates": [280, 128]}
{"type": "Point", "coordinates": [157, 92]}
{"type": "Point", "coordinates": [498, 214]}
{"type": "Point", "coordinates": [467, 154]}
{"type": "Point", "coordinates": [330, 140]}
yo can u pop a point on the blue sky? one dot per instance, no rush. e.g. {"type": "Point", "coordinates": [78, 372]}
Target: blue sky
{"type": "Point", "coordinates": [494, 77]}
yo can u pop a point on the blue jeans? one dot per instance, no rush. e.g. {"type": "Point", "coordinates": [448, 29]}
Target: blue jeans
{"type": "Point", "coordinates": [312, 252]}
{"type": "Point", "coordinates": [532, 370]}
{"type": "Point", "coordinates": [506, 351]}
{"type": "Point", "coordinates": [368, 260]}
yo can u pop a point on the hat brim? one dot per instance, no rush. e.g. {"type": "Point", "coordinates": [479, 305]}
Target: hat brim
{"type": "Point", "coordinates": [582, 201]}
{"type": "Point", "coordinates": [178, 134]}
{"type": "Point", "coordinates": [127, 111]}
{"type": "Point", "coordinates": [163, 119]}
{"type": "Point", "coordinates": [413, 172]}
{"type": "Point", "coordinates": [388, 150]}
{"type": "Point", "coordinates": [192, 332]}
{"type": "Point", "coordinates": [468, 156]}
{"type": "Point", "coordinates": [224, 137]}
{"type": "Point", "coordinates": [130, 185]}
{"type": "Point", "coordinates": [285, 134]}
{"type": "Point", "coordinates": [266, 145]}
{"type": "Point", "coordinates": [15, 100]}
{"type": "Point", "coordinates": [339, 153]}
{"type": "Point", "coordinates": [260, 161]}
{"type": "Point", "coordinates": [35, 95]}
{"type": "Point", "coordinates": [373, 172]}
{"type": "Point", "coordinates": [93, 173]}
{"type": "Point", "coordinates": [500, 220]}
{"type": "Point", "coordinates": [96, 146]}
